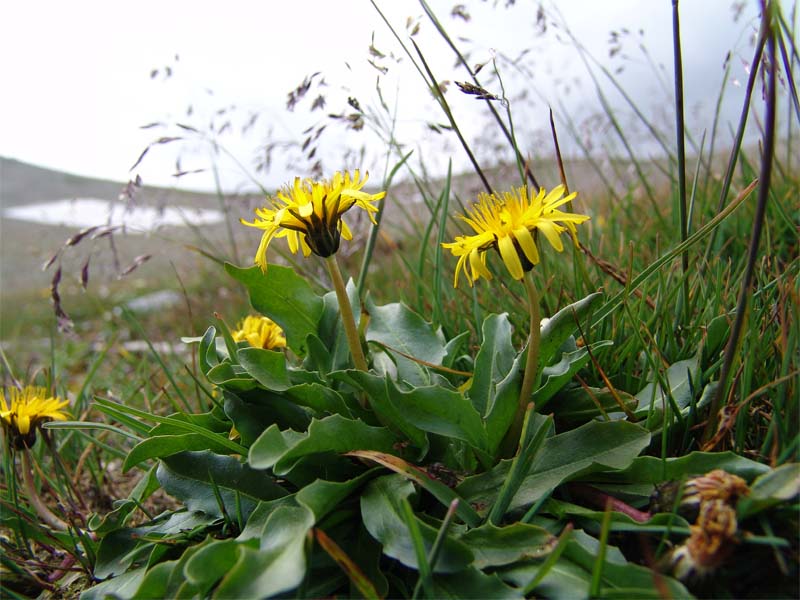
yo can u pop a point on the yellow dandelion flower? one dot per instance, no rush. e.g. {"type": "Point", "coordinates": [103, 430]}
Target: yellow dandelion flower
{"type": "Point", "coordinates": [309, 214]}
{"type": "Point", "coordinates": [260, 332]}
{"type": "Point", "coordinates": [507, 224]}
{"type": "Point", "coordinates": [22, 411]}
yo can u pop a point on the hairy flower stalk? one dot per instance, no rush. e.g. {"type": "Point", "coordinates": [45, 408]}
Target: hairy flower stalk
{"type": "Point", "coordinates": [348, 321]}
{"type": "Point", "coordinates": [36, 501]}
{"type": "Point", "coordinates": [509, 223]}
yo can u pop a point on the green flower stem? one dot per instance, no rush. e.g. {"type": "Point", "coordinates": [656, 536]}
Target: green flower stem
{"type": "Point", "coordinates": [532, 360]}
{"type": "Point", "coordinates": [346, 311]}
{"type": "Point", "coordinates": [509, 444]}
{"type": "Point", "coordinates": [33, 496]}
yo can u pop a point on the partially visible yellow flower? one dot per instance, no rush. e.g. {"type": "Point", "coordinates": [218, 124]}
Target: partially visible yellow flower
{"type": "Point", "coordinates": [309, 214]}
{"type": "Point", "coordinates": [507, 224]}
{"type": "Point", "coordinates": [28, 408]}
{"type": "Point", "coordinates": [260, 332]}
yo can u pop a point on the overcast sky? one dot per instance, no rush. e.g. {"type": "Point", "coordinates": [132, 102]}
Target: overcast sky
{"type": "Point", "coordinates": [78, 85]}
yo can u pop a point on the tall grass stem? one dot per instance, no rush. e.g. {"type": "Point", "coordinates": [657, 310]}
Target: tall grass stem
{"type": "Point", "coordinates": [681, 149]}
{"type": "Point", "coordinates": [758, 223]}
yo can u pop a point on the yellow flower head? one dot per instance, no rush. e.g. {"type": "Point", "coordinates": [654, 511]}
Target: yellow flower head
{"type": "Point", "coordinates": [309, 214]}
{"type": "Point", "coordinates": [507, 224]}
{"type": "Point", "coordinates": [260, 332]}
{"type": "Point", "coordinates": [26, 409]}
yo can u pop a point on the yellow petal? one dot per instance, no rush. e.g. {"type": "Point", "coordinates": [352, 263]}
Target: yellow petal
{"type": "Point", "coordinates": [23, 423]}
{"type": "Point", "coordinates": [477, 261]}
{"type": "Point", "coordinates": [551, 232]}
{"type": "Point", "coordinates": [346, 233]}
{"type": "Point", "coordinates": [527, 244]}
{"type": "Point", "coordinates": [510, 257]}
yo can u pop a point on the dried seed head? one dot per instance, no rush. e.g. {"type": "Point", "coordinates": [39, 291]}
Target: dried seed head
{"type": "Point", "coordinates": [715, 485]}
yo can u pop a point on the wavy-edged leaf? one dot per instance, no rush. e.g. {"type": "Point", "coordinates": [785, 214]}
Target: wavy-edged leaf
{"type": "Point", "coordinates": [267, 367]}
{"type": "Point", "coordinates": [200, 478]}
{"type": "Point", "coordinates": [776, 486]}
{"type": "Point", "coordinates": [397, 327]}
{"type": "Point", "coordinates": [577, 405]}
{"type": "Point", "coordinates": [439, 410]}
{"type": "Point", "coordinates": [437, 489]}
{"type": "Point", "coordinates": [282, 450]}
{"type": "Point", "coordinates": [382, 516]}
{"type": "Point", "coordinates": [497, 546]}
{"type": "Point", "coordinates": [681, 379]}
{"type": "Point", "coordinates": [207, 351]}
{"type": "Point", "coordinates": [160, 446]}
{"type": "Point", "coordinates": [503, 407]}
{"type": "Point", "coordinates": [278, 564]}
{"type": "Point", "coordinates": [592, 447]}
{"type": "Point", "coordinates": [380, 400]}
{"type": "Point", "coordinates": [651, 469]}
{"type": "Point", "coordinates": [555, 376]}
{"type": "Point", "coordinates": [493, 363]}
{"type": "Point", "coordinates": [558, 328]}
{"type": "Point", "coordinates": [472, 583]}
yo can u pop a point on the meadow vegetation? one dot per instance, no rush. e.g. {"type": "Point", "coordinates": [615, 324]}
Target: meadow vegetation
{"type": "Point", "coordinates": [493, 391]}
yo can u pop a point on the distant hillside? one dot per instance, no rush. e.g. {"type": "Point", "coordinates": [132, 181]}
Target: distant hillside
{"type": "Point", "coordinates": [23, 183]}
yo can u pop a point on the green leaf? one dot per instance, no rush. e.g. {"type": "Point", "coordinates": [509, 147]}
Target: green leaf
{"type": "Point", "coordinates": [681, 380]}
{"type": "Point", "coordinates": [497, 546]}
{"type": "Point", "coordinates": [472, 583]}
{"type": "Point", "coordinates": [453, 348]}
{"type": "Point", "coordinates": [278, 564]}
{"type": "Point", "coordinates": [122, 548]}
{"type": "Point", "coordinates": [503, 407]}
{"type": "Point", "coordinates": [582, 549]}
{"type": "Point", "coordinates": [319, 398]}
{"type": "Point", "coordinates": [571, 576]}
{"type": "Point", "coordinates": [331, 331]}
{"type": "Point", "coordinates": [565, 579]}
{"type": "Point", "coordinates": [144, 488]}
{"type": "Point", "coordinates": [577, 405]}
{"type": "Point", "coordinates": [422, 478]}
{"type": "Point", "coordinates": [231, 377]}
{"type": "Point", "coordinates": [380, 397]}
{"type": "Point", "coordinates": [397, 327]}
{"type": "Point", "coordinates": [284, 297]}
{"type": "Point", "coordinates": [442, 411]}
{"type": "Point", "coordinates": [557, 375]}
{"type": "Point", "coordinates": [493, 363]}
{"type": "Point", "coordinates": [267, 367]}
{"type": "Point", "coordinates": [159, 446]}
{"type": "Point", "coordinates": [382, 516]}
{"type": "Point", "coordinates": [717, 333]}
{"type": "Point", "coordinates": [592, 447]}
{"type": "Point", "coordinates": [156, 582]}
{"type": "Point", "coordinates": [777, 486]}
{"type": "Point", "coordinates": [211, 562]}
{"type": "Point", "coordinates": [193, 476]}
{"type": "Point", "coordinates": [558, 328]}
{"type": "Point", "coordinates": [321, 496]}
{"type": "Point", "coordinates": [281, 450]}
{"type": "Point", "coordinates": [122, 587]}
{"type": "Point", "coordinates": [650, 469]}
{"type": "Point", "coordinates": [207, 351]}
